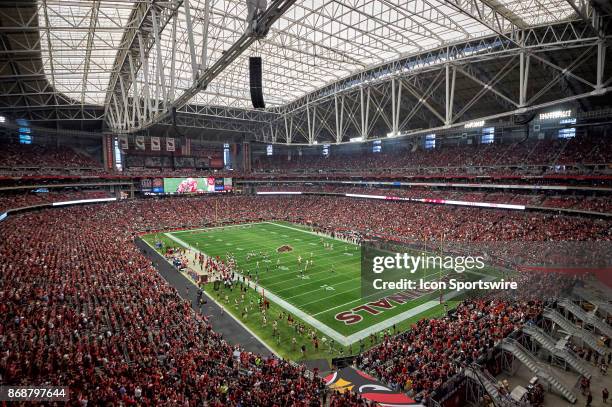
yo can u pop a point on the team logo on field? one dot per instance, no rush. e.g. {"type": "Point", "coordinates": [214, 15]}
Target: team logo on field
{"type": "Point", "coordinates": [284, 249]}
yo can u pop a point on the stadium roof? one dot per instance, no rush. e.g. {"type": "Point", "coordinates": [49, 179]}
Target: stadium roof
{"type": "Point", "coordinates": [128, 62]}
{"type": "Point", "coordinates": [314, 43]}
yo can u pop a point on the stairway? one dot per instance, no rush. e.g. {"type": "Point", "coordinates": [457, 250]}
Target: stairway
{"type": "Point", "coordinates": [586, 317]}
{"type": "Point", "coordinates": [588, 296]}
{"type": "Point", "coordinates": [569, 327]}
{"type": "Point", "coordinates": [532, 363]}
{"type": "Point", "coordinates": [490, 385]}
{"type": "Point", "coordinates": [550, 344]}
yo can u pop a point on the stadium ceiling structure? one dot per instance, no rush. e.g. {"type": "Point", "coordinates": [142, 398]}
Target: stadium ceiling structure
{"type": "Point", "coordinates": [333, 70]}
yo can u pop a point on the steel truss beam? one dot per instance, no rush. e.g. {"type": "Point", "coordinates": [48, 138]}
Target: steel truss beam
{"type": "Point", "coordinates": [199, 121]}
{"type": "Point", "coordinates": [146, 23]}
{"type": "Point", "coordinates": [230, 113]}
{"type": "Point", "coordinates": [418, 93]}
{"type": "Point", "coordinates": [57, 113]}
{"type": "Point", "coordinates": [129, 108]}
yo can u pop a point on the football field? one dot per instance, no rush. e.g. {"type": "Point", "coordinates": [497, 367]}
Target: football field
{"type": "Point", "coordinates": [327, 293]}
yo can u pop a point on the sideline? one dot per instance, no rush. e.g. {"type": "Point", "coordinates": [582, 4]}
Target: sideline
{"type": "Point", "coordinates": [311, 320]}
{"type": "Point", "coordinates": [225, 309]}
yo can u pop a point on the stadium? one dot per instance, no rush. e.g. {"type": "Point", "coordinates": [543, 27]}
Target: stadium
{"type": "Point", "coordinates": [305, 202]}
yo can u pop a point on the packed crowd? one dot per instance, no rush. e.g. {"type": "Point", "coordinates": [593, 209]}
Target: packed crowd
{"type": "Point", "coordinates": [20, 200]}
{"type": "Point", "coordinates": [549, 156]}
{"type": "Point", "coordinates": [21, 155]}
{"type": "Point", "coordinates": [81, 306]}
{"type": "Point", "coordinates": [589, 203]}
{"type": "Point", "coordinates": [581, 150]}
{"type": "Point", "coordinates": [423, 358]}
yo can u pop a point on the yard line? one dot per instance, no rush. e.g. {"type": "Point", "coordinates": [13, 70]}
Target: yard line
{"type": "Point", "coordinates": [346, 303]}
{"type": "Point", "coordinates": [335, 295]}
{"type": "Point", "coordinates": [319, 289]}
{"type": "Point", "coordinates": [301, 285]}
{"type": "Point", "coordinates": [312, 233]}
{"type": "Point", "coordinates": [377, 293]}
{"type": "Point", "coordinates": [313, 273]}
{"type": "Point", "coordinates": [218, 227]}
{"type": "Point", "coordinates": [338, 337]}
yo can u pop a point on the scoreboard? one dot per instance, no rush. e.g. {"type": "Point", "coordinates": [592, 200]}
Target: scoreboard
{"type": "Point", "coordinates": [186, 185]}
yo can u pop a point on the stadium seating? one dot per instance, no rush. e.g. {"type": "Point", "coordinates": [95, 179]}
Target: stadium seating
{"type": "Point", "coordinates": [588, 203]}
{"type": "Point", "coordinates": [455, 159]}
{"type": "Point", "coordinates": [82, 306]}
{"type": "Point", "coordinates": [35, 156]}
{"type": "Point", "coordinates": [16, 200]}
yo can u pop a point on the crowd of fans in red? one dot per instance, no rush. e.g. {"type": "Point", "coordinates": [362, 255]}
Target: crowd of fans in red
{"type": "Point", "coordinates": [588, 203]}
{"type": "Point", "coordinates": [500, 157]}
{"type": "Point", "coordinates": [20, 200]}
{"type": "Point", "coordinates": [13, 156]}
{"type": "Point", "coordinates": [81, 306]}
{"type": "Point", "coordinates": [423, 358]}
{"type": "Point", "coordinates": [13, 200]}
{"type": "Point", "coordinates": [581, 150]}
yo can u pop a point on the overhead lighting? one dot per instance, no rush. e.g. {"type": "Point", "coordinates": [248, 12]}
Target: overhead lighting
{"type": "Point", "coordinates": [474, 124]}
{"type": "Point", "coordinates": [557, 114]}
{"type": "Point", "coordinates": [356, 139]}
{"type": "Point", "coordinates": [2, 119]}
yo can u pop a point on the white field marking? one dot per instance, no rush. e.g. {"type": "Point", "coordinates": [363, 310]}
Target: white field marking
{"type": "Point", "coordinates": [346, 303]}
{"type": "Point", "coordinates": [371, 295]}
{"type": "Point", "coordinates": [218, 227]}
{"type": "Point", "coordinates": [246, 328]}
{"type": "Point", "coordinates": [282, 303]}
{"type": "Point", "coordinates": [358, 289]}
{"type": "Point", "coordinates": [312, 233]}
{"type": "Point", "coordinates": [401, 317]}
{"type": "Point", "coordinates": [310, 273]}
{"type": "Point", "coordinates": [300, 285]}
{"type": "Point", "coordinates": [239, 248]}
{"type": "Point", "coordinates": [317, 289]}
{"type": "Point", "coordinates": [343, 340]}
{"type": "Point", "coordinates": [312, 244]}
{"type": "Point", "coordinates": [341, 261]}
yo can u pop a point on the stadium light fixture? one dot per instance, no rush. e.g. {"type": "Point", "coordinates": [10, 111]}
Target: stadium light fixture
{"type": "Point", "coordinates": [356, 139]}
{"type": "Point", "coordinates": [2, 119]}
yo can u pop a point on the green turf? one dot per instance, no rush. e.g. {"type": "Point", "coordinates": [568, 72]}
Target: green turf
{"type": "Point", "coordinates": [319, 293]}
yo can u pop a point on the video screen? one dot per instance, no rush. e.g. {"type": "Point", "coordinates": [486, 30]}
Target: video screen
{"type": "Point", "coordinates": [193, 185]}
